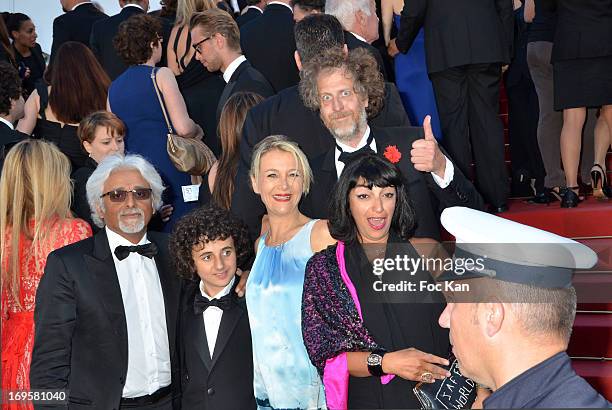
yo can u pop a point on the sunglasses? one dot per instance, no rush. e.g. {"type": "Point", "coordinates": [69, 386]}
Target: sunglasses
{"type": "Point", "coordinates": [120, 195]}
{"type": "Point", "coordinates": [196, 46]}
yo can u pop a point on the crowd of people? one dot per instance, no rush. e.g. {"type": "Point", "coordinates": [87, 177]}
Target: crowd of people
{"type": "Point", "coordinates": [130, 283]}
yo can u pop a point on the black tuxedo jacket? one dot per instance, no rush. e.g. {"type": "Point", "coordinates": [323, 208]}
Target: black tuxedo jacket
{"type": "Point", "coordinates": [250, 15]}
{"type": "Point", "coordinates": [81, 335]}
{"type": "Point", "coordinates": [75, 25]}
{"type": "Point", "coordinates": [101, 41]}
{"type": "Point", "coordinates": [584, 29]}
{"type": "Point", "coordinates": [8, 138]}
{"type": "Point", "coordinates": [286, 114]}
{"type": "Point", "coordinates": [428, 198]}
{"type": "Point", "coordinates": [245, 78]}
{"type": "Point", "coordinates": [226, 380]}
{"type": "Point", "coordinates": [268, 43]}
{"type": "Point", "coordinates": [353, 42]}
{"type": "Point", "coordinates": [459, 32]}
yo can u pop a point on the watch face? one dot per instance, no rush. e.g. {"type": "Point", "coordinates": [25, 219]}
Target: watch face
{"type": "Point", "coordinates": [374, 359]}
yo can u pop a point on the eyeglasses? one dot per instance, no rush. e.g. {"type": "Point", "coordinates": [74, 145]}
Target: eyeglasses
{"type": "Point", "coordinates": [196, 46]}
{"type": "Point", "coordinates": [120, 195]}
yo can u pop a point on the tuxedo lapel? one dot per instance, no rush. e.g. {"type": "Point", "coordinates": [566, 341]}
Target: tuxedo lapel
{"type": "Point", "coordinates": [195, 332]}
{"type": "Point", "coordinates": [170, 286]}
{"type": "Point", "coordinates": [227, 91]}
{"type": "Point", "coordinates": [229, 320]}
{"type": "Point", "coordinates": [102, 266]}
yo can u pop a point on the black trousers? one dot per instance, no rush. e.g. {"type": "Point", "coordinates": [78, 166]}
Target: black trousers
{"type": "Point", "coordinates": [525, 154]}
{"type": "Point", "coordinates": [468, 104]}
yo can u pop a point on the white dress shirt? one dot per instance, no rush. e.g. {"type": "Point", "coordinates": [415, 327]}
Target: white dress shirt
{"type": "Point", "coordinates": [231, 68]}
{"type": "Point", "coordinates": [212, 315]}
{"type": "Point", "coordinates": [77, 5]}
{"type": "Point", "coordinates": [358, 36]}
{"type": "Point", "coordinates": [7, 122]}
{"type": "Point", "coordinates": [449, 171]}
{"type": "Point", "coordinates": [145, 315]}
{"type": "Point", "coordinates": [235, 6]}
{"type": "Point", "coordinates": [133, 5]}
{"type": "Point", "coordinates": [256, 8]}
{"type": "Point", "coordinates": [280, 2]}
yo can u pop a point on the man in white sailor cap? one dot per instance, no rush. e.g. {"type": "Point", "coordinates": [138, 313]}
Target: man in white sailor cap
{"type": "Point", "coordinates": [511, 330]}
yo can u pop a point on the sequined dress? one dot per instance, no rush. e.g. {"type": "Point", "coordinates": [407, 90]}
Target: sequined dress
{"type": "Point", "coordinates": [284, 377]}
{"type": "Point", "coordinates": [18, 318]}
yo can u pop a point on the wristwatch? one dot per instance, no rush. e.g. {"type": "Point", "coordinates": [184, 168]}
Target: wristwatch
{"type": "Point", "coordinates": [374, 362]}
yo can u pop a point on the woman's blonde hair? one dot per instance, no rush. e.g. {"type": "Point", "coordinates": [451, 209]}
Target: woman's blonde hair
{"type": "Point", "coordinates": [35, 186]}
{"type": "Point", "coordinates": [186, 8]}
{"type": "Point", "coordinates": [281, 143]}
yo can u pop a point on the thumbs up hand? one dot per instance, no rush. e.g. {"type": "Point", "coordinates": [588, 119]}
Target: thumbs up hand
{"type": "Point", "coordinates": [426, 155]}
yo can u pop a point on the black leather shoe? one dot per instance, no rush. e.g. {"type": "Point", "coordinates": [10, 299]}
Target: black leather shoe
{"type": "Point", "coordinates": [545, 197]}
{"type": "Point", "coordinates": [498, 209]}
{"type": "Point", "coordinates": [570, 199]}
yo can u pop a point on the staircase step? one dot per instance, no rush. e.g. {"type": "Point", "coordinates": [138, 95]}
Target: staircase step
{"type": "Point", "coordinates": [591, 335]}
{"type": "Point", "coordinates": [598, 373]}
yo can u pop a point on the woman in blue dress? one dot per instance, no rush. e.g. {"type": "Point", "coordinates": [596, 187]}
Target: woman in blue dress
{"type": "Point", "coordinates": [411, 76]}
{"type": "Point", "coordinates": [133, 99]}
{"type": "Point", "coordinates": [284, 377]}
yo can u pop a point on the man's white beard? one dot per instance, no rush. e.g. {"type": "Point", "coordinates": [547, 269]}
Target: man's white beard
{"type": "Point", "coordinates": [349, 133]}
{"type": "Point", "coordinates": [133, 227]}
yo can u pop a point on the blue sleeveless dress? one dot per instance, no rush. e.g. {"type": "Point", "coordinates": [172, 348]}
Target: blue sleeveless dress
{"type": "Point", "coordinates": [413, 83]}
{"type": "Point", "coordinates": [284, 377]}
{"type": "Point", "coordinates": [133, 99]}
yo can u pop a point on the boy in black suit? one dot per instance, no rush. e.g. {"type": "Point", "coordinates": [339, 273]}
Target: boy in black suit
{"type": "Point", "coordinates": [208, 245]}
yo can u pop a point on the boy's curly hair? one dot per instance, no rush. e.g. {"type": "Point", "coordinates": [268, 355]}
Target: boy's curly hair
{"type": "Point", "coordinates": [203, 225]}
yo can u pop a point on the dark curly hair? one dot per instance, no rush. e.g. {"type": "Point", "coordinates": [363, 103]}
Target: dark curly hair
{"type": "Point", "coordinates": [375, 171]}
{"type": "Point", "coordinates": [134, 38]}
{"type": "Point", "coordinates": [359, 65]}
{"type": "Point", "coordinates": [10, 86]}
{"type": "Point", "coordinates": [203, 225]}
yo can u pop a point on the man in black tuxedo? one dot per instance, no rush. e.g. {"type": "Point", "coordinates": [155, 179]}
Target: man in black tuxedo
{"type": "Point", "coordinates": [254, 9]}
{"type": "Point", "coordinates": [75, 24]}
{"type": "Point", "coordinates": [215, 336]}
{"type": "Point", "coordinates": [286, 114]}
{"type": "Point", "coordinates": [343, 89]}
{"type": "Point", "coordinates": [11, 108]}
{"type": "Point", "coordinates": [466, 44]}
{"type": "Point", "coordinates": [103, 32]}
{"type": "Point", "coordinates": [359, 19]}
{"type": "Point", "coordinates": [106, 307]}
{"type": "Point", "coordinates": [216, 39]}
{"type": "Point", "coordinates": [268, 43]}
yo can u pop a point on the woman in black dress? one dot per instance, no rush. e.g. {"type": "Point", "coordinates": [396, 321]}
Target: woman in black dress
{"type": "Point", "coordinates": [28, 54]}
{"type": "Point", "coordinates": [77, 86]}
{"type": "Point", "coordinates": [218, 183]}
{"type": "Point", "coordinates": [372, 347]}
{"type": "Point", "coordinates": [200, 88]}
{"type": "Point", "coordinates": [582, 68]}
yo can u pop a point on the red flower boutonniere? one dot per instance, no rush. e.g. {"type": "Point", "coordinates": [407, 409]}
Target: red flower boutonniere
{"type": "Point", "coordinates": [392, 154]}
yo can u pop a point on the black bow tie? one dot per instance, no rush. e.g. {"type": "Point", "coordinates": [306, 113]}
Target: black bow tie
{"type": "Point", "coordinates": [201, 303]}
{"type": "Point", "coordinates": [348, 157]}
{"type": "Point", "coordinates": [149, 250]}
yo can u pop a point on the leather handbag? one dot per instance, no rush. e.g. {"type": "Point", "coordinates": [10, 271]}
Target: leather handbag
{"type": "Point", "coordinates": [453, 392]}
{"type": "Point", "coordinates": [189, 155]}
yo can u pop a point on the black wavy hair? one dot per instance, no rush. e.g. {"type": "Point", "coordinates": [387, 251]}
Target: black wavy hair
{"type": "Point", "coordinates": [203, 225]}
{"type": "Point", "coordinates": [10, 86]}
{"type": "Point", "coordinates": [376, 172]}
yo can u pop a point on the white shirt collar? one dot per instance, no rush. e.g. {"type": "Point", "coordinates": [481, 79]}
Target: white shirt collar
{"type": "Point", "coordinates": [133, 5]}
{"type": "Point", "coordinates": [256, 8]}
{"type": "Point", "coordinates": [226, 290]}
{"type": "Point", "coordinates": [7, 122]}
{"type": "Point", "coordinates": [80, 4]}
{"type": "Point", "coordinates": [362, 142]}
{"type": "Point", "coordinates": [231, 68]}
{"type": "Point", "coordinates": [280, 2]}
{"type": "Point", "coordinates": [235, 6]}
{"type": "Point", "coordinates": [358, 36]}
{"type": "Point", "coordinates": [114, 240]}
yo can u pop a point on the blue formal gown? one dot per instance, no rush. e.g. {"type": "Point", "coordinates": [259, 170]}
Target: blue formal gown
{"type": "Point", "coordinates": [284, 377]}
{"type": "Point", "coordinates": [133, 99]}
{"type": "Point", "coordinates": [413, 83]}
